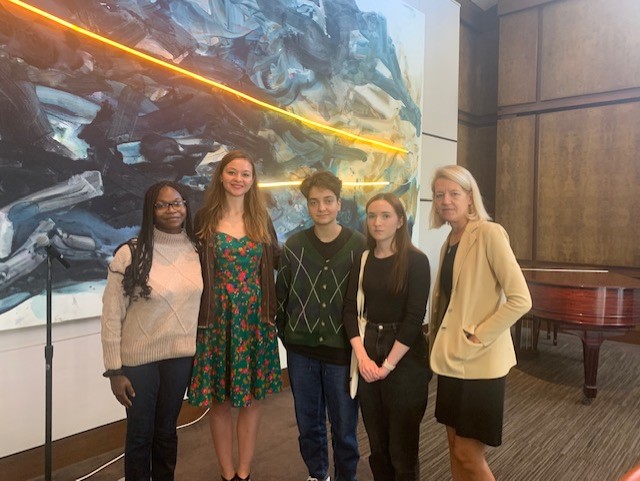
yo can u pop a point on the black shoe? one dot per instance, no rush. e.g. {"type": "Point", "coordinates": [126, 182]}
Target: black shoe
{"type": "Point", "coordinates": [238, 478]}
{"type": "Point", "coordinates": [235, 476]}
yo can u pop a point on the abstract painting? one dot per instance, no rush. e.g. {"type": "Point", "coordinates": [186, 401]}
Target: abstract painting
{"type": "Point", "coordinates": [86, 128]}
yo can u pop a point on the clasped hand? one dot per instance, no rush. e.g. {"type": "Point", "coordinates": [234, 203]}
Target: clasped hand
{"type": "Point", "coordinates": [370, 371]}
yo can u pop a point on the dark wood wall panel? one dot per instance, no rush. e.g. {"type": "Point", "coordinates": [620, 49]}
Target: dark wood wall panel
{"type": "Point", "coordinates": [589, 46]}
{"type": "Point", "coordinates": [477, 153]}
{"type": "Point", "coordinates": [477, 96]}
{"type": "Point", "coordinates": [486, 72]}
{"type": "Point", "coordinates": [515, 182]}
{"type": "Point", "coordinates": [517, 65]}
{"type": "Point", "coordinates": [478, 71]}
{"type": "Point", "coordinates": [589, 186]}
{"type": "Point", "coordinates": [466, 93]}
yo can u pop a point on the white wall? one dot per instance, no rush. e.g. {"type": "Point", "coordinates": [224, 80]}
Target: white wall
{"type": "Point", "coordinates": [82, 399]}
{"type": "Point", "coordinates": [439, 111]}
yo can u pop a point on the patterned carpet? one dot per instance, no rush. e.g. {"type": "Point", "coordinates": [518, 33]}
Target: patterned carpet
{"type": "Point", "coordinates": [549, 434]}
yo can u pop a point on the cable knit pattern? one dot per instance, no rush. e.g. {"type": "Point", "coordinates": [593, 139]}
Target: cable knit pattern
{"type": "Point", "coordinates": [163, 326]}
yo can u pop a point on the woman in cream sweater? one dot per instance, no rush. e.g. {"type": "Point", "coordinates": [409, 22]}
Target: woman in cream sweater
{"type": "Point", "coordinates": [149, 320]}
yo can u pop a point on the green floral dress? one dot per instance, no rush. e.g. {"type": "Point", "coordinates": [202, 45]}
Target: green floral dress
{"type": "Point", "coordinates": [237, 357]}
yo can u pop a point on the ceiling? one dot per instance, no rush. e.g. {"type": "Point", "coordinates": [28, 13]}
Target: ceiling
{"type": "Point", "coordinates": [485, 4]}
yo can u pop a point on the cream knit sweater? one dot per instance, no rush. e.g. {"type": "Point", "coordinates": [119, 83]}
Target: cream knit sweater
{"type": "Point", "coordinates": [163, 326]}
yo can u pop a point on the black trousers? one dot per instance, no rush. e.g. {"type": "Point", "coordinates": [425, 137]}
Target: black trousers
{"type": "Point", "coordinates": [392, 409]}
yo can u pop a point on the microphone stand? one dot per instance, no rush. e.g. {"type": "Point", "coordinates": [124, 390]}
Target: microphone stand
{"type": "Point", "coordinates": [48, 356]}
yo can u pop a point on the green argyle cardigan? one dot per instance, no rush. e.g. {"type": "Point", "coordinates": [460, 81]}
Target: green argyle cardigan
{"type": "Point", "coordinates": [310, 291]}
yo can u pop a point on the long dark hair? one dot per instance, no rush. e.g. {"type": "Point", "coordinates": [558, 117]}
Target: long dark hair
{"type": "Point", "coordinates": [401, 241]}
{"type": "Point", "coordinates": [256, 217]}
{"type": "Point", "coordinates": [137, 273]}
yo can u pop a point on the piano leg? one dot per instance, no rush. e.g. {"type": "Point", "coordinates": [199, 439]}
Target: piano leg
{"type": "Point", "coordinates": [591, 342]}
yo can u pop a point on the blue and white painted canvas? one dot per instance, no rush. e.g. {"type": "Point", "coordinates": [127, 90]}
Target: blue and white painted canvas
{"type": "Point", "coordinates": [85, 129]}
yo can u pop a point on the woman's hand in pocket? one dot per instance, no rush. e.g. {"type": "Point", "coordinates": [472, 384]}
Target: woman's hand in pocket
{"type": "Point", "coordinates": [474, 339]}
{"type": "Point", "coordinates": [471, 337]}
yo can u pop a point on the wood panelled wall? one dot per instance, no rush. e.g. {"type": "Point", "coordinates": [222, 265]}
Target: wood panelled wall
{"type": "Point", "coordinates": [477, 97]}
{"type": "Point", "coordinates": [568, 134]}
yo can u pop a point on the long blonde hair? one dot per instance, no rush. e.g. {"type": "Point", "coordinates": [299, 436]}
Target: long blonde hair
{"type": "Point", "coordinates": [256, 217]}
{"type": "Point", "coordinates": [465, 180]}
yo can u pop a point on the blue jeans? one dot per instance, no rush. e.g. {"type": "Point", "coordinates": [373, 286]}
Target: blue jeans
{"type": "Point", "coordinates": [151, 446]}
{"type": "Point", "coordinates": [319, 388]}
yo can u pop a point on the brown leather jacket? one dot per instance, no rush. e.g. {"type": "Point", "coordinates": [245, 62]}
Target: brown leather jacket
{"type": "Point", "coordinates": [268, 264]}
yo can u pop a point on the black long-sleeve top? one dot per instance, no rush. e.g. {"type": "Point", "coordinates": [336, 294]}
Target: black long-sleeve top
{"type": "Point", "coordinates": [382, 306]}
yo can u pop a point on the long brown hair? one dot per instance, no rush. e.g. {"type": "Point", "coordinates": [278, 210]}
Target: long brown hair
{"type": "Point", "coordinates": [401, 241]}
{"type": "Point", "coordinates": [255, 215]}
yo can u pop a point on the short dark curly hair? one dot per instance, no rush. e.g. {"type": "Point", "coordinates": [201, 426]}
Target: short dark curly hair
{"type": "Point", "coordinates": [322, 179]}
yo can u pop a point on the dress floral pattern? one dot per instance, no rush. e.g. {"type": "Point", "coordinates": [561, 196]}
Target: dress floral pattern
{"type": "Point", "coordinates": [237, 357]}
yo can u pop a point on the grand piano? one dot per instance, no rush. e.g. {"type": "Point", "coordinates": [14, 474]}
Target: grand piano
{"type": "Point", "coordinates": [593, 305]}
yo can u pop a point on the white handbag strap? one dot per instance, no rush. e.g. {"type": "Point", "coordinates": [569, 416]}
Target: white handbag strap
{"type": "Point", "coordinates": [360, 295]}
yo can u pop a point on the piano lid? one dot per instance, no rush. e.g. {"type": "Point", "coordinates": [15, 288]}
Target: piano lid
{"type": "Point", "coordinates": [584, 297]}
{"type": "Point", "coordinates": [587, 278]}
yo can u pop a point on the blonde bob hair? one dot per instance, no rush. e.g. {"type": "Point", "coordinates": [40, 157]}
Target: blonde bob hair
{"type": "Point", "coordinates": [465, 180]}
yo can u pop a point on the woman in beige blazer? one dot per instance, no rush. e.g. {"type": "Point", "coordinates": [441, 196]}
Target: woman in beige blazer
{"type": "Point", "coordinates": [479, 294]}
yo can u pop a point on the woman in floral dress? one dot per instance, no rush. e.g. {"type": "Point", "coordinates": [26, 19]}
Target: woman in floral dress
{"type": "Point", "coordinates": [236, 362]}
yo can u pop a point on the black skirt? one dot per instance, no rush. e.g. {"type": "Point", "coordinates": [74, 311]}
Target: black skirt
{"type": "Point", "coordinates": [473, 407]}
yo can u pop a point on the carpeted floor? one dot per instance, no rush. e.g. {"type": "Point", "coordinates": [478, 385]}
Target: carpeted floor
{"type": "Point", "coordinates": [549, 434]}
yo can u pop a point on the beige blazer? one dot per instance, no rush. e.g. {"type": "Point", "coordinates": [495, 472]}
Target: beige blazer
{"type": "Point", "coordinates": [488, 295]}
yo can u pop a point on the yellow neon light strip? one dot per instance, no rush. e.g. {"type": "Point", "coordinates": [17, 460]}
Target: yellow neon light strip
{"type": "Point", "coordinates": [200, 78]}
{"type": "Point", "coordinates": [298, 182]}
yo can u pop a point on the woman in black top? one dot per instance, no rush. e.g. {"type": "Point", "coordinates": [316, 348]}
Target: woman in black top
{"type": "Point", "coordinates": [393, 359]}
